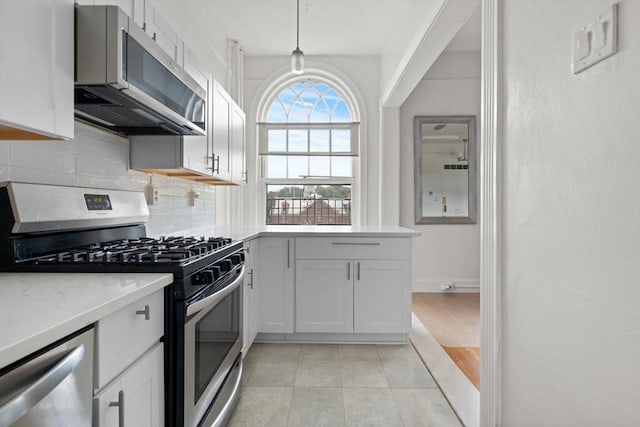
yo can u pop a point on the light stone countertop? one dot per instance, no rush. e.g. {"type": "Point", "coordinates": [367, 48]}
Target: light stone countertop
{"type": "Point", "coordinates": [249, 232]}
{"type": "Point", "coordinates": [37, 309]}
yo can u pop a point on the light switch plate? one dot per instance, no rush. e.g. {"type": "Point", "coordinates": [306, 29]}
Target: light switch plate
{"type": "Point", "coordinates": [596, 41]}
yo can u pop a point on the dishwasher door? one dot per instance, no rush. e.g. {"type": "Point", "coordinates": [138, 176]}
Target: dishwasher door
{"type": "Point", "coordinates": [52, 387]}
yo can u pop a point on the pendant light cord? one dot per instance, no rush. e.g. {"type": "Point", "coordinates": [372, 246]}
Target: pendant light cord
{"type": "Point", "coordinates": [298, 24]}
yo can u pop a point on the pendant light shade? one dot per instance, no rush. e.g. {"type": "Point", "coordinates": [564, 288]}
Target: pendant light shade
{"type": "Point", "coordinates": [297, 61]}
{"type": "Point", "coordinates": [297, 57]}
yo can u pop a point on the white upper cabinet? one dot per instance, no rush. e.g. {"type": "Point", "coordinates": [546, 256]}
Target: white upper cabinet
{"type": "Point", "coordinates": [36, 69]}
{"type": "Point", "coordinates": [228, 142]}
{"type": "Point", "coordinates": [221, 104]}
{"type": "Point", "coordinates": [159, 30]}
{"type": "Point", "coordinates": [238, 148]}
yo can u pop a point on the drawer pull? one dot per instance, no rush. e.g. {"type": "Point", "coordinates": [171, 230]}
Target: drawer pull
{"type": "Point", "coordinates": [354, 244]}
{"type": "Point", "coordinates": [349, 271]}
{"type": "Point", "coordinates": [251, 274]}
{"type": "Point", "coordinates": [120, 405]}
{"type": "Point", "coordinates": [358, 271]}
{"type": "Point", "coordinates": [146, 312]}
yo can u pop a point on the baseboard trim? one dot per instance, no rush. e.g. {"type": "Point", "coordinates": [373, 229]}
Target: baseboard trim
{"type": "Point", "coordinates": [459, 286]}
{"type": "Point", "coordinates": [334, 338]}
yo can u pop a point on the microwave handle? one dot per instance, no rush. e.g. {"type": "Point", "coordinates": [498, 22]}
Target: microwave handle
{"type": "Point", "coordinates": [214, 299]}
{"type": "Point", "coordinates": [40, 385]}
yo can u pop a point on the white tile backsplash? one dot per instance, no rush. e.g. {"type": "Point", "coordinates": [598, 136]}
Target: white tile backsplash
{"type": "Point", "coordinates": [4, 153]}
{"type": "Point", "coordinates": [39, 156]}
{"type": "Point", "coordinates": [99, 159]}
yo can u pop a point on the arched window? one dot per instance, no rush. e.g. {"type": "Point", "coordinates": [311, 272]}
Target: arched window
{"type": "Point", "coordinates": [308, 141]}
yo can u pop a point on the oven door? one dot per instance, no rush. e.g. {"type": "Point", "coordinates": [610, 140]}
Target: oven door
{"type": "Point", "coordinates": [212, 342]}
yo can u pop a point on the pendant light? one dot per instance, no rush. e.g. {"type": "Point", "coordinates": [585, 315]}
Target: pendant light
{"type": "Point", "coordinates": [297, 57]}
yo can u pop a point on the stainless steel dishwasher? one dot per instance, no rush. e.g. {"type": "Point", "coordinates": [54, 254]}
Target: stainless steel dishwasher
{"type": "Point", "coordinates": [51, 387]}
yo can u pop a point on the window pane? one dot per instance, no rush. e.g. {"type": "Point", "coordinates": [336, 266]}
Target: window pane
{"type": "Point", "coordinates": [320, 113]}
{"type": "Point", "coordinates": [287, 97]}
{"type": "Point", "coordinates": [298, 141]}
{"type": "Point", "coordinates": [298, 166]}
{"type": "Point", "coordinates": [299, 113]}
{"type": "Point", "coordinates": [341, 112]}
{"type": "Point", "coordinates": [319, 166]}
{"type": "Point", "coordinates": [319, 141]}
{"type": "Point", "coordinates": [277, 140]}
{"type": "Point", "coordinates": [276, 113]}
{"type": "Point", "coordinates": [276, 167]}
{"type": "Point", "coordinates": [341, 140]}
{"type": "Point", "coordinates": [341, 166]}
{"type": "Point", "coordinates": [309, 204]}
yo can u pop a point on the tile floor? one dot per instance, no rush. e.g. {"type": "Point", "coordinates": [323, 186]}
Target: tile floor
{"type": "Point", "coordinates": [339, 385]}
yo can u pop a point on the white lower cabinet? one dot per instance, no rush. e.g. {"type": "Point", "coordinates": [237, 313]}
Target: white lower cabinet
{"type": "Point", "coordinates": [324, 296]}
{"type": "Point", "coordinates": [381, 300]}
{"type": "Point", "coordinates": [275, 284]}
{"type": "Point", "coordinates": [129, 365]}
{"type": "Point", "coordinates": [250, 297]}
{"type": "Point", "coordinates": [136, 398]}
{"type": "Point", "coordinates": [353, 294]}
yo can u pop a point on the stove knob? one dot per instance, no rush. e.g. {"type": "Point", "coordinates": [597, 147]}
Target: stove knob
{"type": "Point", "coordinates": [225, 265]}
{"type": "Point", "coordinates": [236, 259]}
{"type": "Point", "coordinates": [215, 271]}
{"type": "Point", "coordinates": [208, 277]}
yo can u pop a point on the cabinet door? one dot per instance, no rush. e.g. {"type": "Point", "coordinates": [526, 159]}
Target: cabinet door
{"type": "Point", "coordinates": [194, 154]}
{"type": "Point", "coordinates": [158, 29]}
{"type": "Point", "coordinates": [250, 306]}
{"type": "Point", "coordinates": [221, 130]}
{"type": "Point", "coordinates": [324, 296]}
{"type": "Point", "coordinates": [36, 69]}
{"type": "Point", "coordinates": [382, 296]}
{"type": "Point", "coordinates": [139, 392]}
{"type": "Point", "coordinates": [238, 162]}
{"type": "Point", "coordinates": [275, 288]}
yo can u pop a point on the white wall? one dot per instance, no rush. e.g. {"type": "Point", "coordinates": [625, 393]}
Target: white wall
{"type": "Point", "coordinates": [363, 72]}
{"type": "Point", "coordinates": [99, 159]}
{"type": "Point", "coordinates": [571, 212]}
{"type": "Point", "coordinates": [443, 252]}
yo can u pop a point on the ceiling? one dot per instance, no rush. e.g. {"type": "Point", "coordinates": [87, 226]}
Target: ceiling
{"type": "Point", "coordinates": [327, 27]}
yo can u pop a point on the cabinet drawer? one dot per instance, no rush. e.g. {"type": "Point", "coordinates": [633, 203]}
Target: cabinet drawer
{"type": "Point", "coordinates": [353, 247]}
{"type": "Point", "coordinates": [123, 336]}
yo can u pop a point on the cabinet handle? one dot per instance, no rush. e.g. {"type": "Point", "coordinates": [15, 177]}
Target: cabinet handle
{"type": "Point", "coordinates": [146, 312]}
{"type": "Point", "coordinates": [358, 271]}
{"type": "Point", "coordinates": [215, 167]}
{"type": "Point", "coordinates": [348, 271]}
{"type": "Point", "coordinates": [154, 36]}
{"type": "Point", "coordinates": [354, 244]}
{"type": "Point", "coordinates": [251, 274]}
{"type": "Point", "coordinates": [288, 253]}
{"type": "Point", "coordinates": [120, 405]}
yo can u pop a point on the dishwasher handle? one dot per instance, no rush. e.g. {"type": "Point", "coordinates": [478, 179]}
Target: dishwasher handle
{"type": "Point", "coordinates": [38, 385]}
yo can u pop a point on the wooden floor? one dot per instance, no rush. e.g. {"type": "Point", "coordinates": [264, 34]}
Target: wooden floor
{"type": "Point", "coordinates": [454, 321]}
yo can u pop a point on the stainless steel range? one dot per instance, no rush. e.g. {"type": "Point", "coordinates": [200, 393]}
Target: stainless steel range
{"type": "Point", "coordinates": [69, 229]}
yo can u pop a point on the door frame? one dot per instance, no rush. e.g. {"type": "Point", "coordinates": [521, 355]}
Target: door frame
{"type": "Point", "coordinates": [491, 215]}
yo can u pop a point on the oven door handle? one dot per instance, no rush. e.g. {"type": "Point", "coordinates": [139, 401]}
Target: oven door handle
{"type": "Point", "coordinates": [214, 299]}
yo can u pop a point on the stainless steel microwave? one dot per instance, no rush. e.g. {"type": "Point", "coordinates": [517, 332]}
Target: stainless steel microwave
{"type": "Point", "coordinates": [127, 83]}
